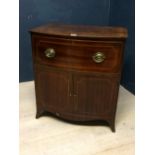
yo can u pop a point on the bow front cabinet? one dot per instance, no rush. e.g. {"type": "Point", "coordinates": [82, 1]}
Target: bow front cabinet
{"type": "Point", "coordinates": [77, 70]}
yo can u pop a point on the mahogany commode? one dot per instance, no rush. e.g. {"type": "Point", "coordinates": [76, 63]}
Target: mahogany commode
{"type": "Point", "coordinates": [77, 70]}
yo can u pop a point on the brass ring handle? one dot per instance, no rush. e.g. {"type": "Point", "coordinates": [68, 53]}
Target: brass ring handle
{"type": "Point", "coordinates": [98, 57]}
{"type": "Point", "coordinates": [50, 53]}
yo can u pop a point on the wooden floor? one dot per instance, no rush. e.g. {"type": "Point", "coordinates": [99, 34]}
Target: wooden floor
{"type": "Point", "coordinates": [51, 136]}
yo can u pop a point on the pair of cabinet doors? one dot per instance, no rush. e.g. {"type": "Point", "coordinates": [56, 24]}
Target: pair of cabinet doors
{"type": "Point", "coordinates": [85, 95]}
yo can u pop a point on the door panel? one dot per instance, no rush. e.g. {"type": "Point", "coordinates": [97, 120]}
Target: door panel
{"type": "Point", "coordinates": [53, 89]}
{"type": "Point", "coordinates": [95, 95]}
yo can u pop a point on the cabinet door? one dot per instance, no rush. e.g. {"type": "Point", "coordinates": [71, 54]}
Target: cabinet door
{"type": "Point", "coordinates": [52, 89]}
{"type": "Point", "coordinates": [95, 95]}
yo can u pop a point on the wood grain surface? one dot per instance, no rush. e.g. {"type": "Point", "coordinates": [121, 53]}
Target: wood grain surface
{"type": "Point", "coordinates": [74, 31]}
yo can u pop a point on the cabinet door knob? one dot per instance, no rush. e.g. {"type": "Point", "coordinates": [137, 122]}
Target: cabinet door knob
{"type": "Point", "coordinates": [98, 57]}
{"type": "Point", "coordinates": [50, 53]}
{"type": "Point", "coordinates": [57, 114]}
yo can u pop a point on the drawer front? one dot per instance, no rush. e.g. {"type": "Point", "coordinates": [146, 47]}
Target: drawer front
{"type": "Point", "coordinates": [97, 56]}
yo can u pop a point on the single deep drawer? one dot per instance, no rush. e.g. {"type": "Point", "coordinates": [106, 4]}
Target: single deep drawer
{"type": "Point", "coordinates": [82, 55]}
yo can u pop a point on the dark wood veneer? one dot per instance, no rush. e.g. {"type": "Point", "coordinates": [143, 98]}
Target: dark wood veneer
{"type": "Point", "coordinates": [71, 85]}
{"type": "Point", "coordinates": [81, 31]}
{"type": "Point", "coordinates": [79, 54]}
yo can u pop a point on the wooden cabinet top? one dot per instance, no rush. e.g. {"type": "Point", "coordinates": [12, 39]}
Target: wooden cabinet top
{"type": "Point", "coordinates": [81, 31]}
